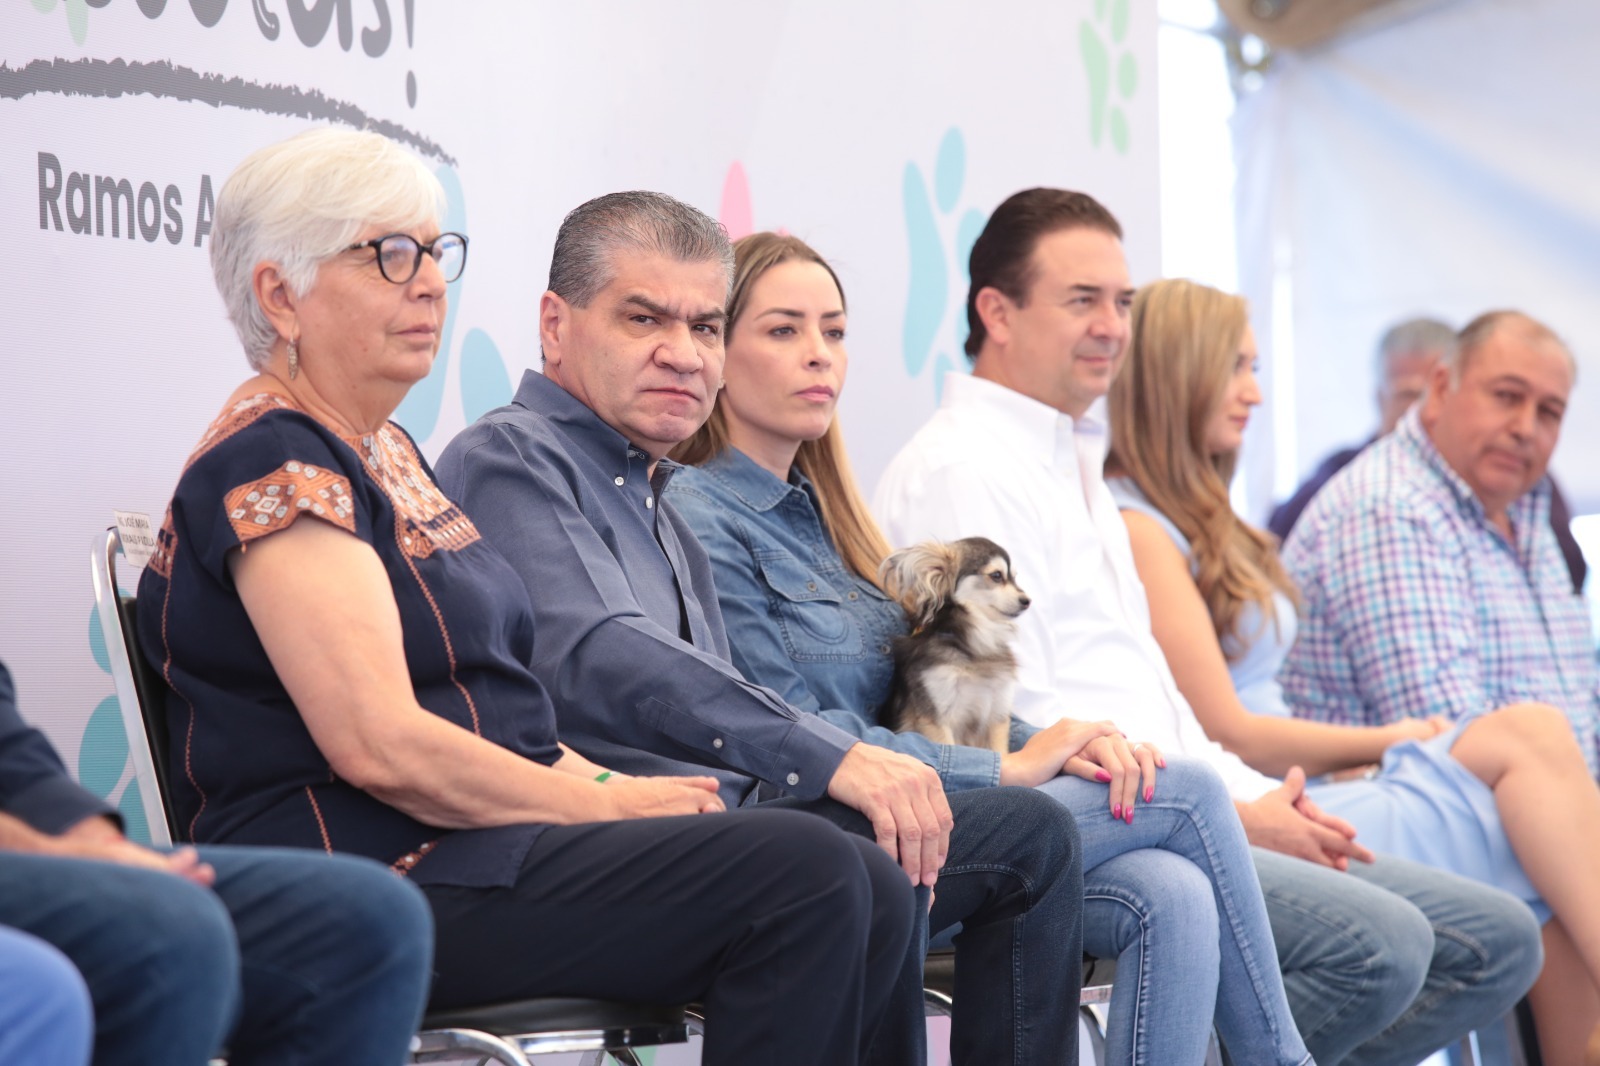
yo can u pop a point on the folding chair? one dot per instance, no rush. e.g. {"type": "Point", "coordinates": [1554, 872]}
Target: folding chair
{"type": "Point", "coordinates": [503, 1032]}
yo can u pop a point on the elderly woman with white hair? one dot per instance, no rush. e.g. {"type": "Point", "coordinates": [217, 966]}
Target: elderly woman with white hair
{"type": "Point", "coordinates": [347, 666]}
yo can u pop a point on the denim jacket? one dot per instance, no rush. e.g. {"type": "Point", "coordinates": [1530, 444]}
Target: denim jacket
{"type": "Point", "coordinates": [799, 622]}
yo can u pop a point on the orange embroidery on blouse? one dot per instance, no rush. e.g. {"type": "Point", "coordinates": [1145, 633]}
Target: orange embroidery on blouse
{"type": "Point", "coordinates": [407, 862]}
{"type": "Point", "coordinates": [426, 519]}
{"type": "Point", "coordinates": [269, 504]}
{"type": "Point", "coordinates": [322, 827]}
{"type": "Point", "coordinates": [239, 416]}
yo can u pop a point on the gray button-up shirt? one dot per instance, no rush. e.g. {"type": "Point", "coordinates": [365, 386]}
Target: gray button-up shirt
{"type": "Point", "coordinates": [628, 636]}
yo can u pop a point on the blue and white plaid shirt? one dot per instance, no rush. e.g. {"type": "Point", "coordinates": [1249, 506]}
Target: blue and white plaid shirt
{"type": "Point", "coordinates": [1414, 604]}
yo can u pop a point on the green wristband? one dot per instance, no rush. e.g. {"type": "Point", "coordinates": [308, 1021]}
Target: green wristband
{"type": "Point", "coordinates": [602, 777]}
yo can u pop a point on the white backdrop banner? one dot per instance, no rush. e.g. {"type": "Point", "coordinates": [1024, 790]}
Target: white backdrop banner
{"type": "Point", "coordinates": [882, 133]}
{"type": "Point", "coordinates": [1442, 163]}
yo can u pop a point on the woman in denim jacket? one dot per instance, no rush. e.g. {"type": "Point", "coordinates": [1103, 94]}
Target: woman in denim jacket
{"type": "Point", "coordinates": [1170, 891]}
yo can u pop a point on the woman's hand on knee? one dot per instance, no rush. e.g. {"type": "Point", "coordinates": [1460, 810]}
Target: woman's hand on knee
{"type": "Point", "coordinates": [1051, 751]}
{"type": "Point", "coordinates": [1129, 770]}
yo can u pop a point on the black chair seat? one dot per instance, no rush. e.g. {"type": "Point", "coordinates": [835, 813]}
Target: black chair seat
{"type": "Point", "coordinates": [543, 1015]}
{"type": "Point", "coordinates": [939, 972]}
{"type": "Point", "coordinates": [939, 975]}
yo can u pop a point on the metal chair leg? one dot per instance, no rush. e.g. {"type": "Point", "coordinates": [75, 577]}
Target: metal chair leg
{"type": "Point", "coordinates": [1097, 1035]}
{"type": "Point", "coordinates": [623, 1055]}
{"type": "Point", "coordinates": [461, 1043]}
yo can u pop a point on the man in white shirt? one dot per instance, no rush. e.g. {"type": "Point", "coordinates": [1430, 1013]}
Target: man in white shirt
{"type": "Point", "coordinates": [1015, 453]}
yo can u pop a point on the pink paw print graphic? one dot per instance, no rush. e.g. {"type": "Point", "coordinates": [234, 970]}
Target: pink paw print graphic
{"type": "Point", "coordinates": [735, 211]}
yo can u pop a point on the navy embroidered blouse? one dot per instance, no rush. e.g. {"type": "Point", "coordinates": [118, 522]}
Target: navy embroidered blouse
{"type": "Point", "coordinates": [244, 767]}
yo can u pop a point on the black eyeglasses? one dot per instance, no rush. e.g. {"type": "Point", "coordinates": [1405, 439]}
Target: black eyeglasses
{"type": "Point", "coordinates": [400, 256]}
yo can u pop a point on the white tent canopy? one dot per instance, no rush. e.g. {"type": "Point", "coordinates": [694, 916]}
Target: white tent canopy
{"type": "Point", "coordinates": [1442, 162]}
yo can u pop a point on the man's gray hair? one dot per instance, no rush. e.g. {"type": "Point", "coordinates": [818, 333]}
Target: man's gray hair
{"type": "Point", "coordinates": [593, 233]}
{"type": "Point", "coordinates": [1416, 335]}
{"type": "Point", "coordinates": [1480, 330]}
{"type": "Point", "coordinates": [299, 203]}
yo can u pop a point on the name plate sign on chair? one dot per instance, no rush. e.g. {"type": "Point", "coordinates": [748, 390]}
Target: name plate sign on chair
{"type": "Point", "coordinates": [138, 536]}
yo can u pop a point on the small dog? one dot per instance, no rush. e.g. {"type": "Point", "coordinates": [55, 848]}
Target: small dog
{"type": "Point", "coordinates": [954, 673]}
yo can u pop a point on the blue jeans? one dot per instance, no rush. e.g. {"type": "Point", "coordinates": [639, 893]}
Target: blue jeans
{"type": "Point", "coordinates": [293, 958]}
{"type": "Point", "coordinates": [45, 1017]}
{"type": "Point", "coordinates": [1392, 961]}
{"type": "Point", "coordinates": [1174, 899]}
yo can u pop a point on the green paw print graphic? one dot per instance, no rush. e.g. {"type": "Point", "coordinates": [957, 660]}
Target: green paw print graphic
{"type": "Point", "coordinates": [1105, 107]}
{"type": "Point", "coordinates": [77, 16]}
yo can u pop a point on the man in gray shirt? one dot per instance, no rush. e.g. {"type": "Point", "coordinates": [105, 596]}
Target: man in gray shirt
{"type": "Point", "coordinates": [566, 481]}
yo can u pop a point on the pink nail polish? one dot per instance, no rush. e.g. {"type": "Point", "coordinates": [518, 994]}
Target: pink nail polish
{"type": "Point", "coordinates": [1116, 810]}
{"type": "Point", "coordinates": [1101, 776]}
{"type": "Point", "coordinates": [1130, 814]}
{"type": "Point", "coordinates": [1161, 763]}
{"type": "Point", "coordinates": [1149, 793]}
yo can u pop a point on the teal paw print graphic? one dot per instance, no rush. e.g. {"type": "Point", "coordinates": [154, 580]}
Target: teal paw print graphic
{"type": "Point", "coordinates": [935, 324]}
{"type": "Point", "coordinates": [1112, 79]}
{"type": "Point", "coordinates": [484, 382]}
{"type": "Point", "coordinates": [103, 764]}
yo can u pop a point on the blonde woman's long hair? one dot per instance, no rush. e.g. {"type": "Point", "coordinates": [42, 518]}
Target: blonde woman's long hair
{"type": "Point", "coordinates": [845, 518]}
{"type": "Point", "coordinates": [1182, 352]}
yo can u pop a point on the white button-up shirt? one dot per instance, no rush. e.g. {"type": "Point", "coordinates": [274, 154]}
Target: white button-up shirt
{"type": "Point", "coordinates": [995, 463]}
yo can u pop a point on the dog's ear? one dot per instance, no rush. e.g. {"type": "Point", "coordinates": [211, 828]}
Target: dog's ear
{"type": "Point", "coordinates": [921, 579]}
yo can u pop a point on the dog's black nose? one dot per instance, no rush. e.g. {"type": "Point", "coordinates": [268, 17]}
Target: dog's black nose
{"type": "Point", "coordinates": [1022, 603]}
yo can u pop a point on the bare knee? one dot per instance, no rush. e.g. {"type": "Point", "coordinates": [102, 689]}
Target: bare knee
{"type": "Point", "coordinates": [1517, 733]}
{"type": "Point", "coordinates": [1535, 725]}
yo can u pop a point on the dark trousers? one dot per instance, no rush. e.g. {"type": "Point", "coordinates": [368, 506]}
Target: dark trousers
{"type": "Point", "coordinates": [793, 934]}
{"type": "Point", "coordinates": [1014, 880]}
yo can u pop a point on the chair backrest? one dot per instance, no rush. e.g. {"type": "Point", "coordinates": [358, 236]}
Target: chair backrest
{"type": "Point", "coordinates": [140, 691]}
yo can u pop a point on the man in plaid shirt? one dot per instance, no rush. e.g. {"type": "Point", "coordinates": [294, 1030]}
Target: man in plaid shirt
{"type": "Point", "coordinates": [1431, 581]}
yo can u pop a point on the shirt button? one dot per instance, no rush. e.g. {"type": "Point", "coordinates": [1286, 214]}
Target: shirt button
{"type": "Point", "coordinates": [649, 502]}
{"type": "Point", "coordinates": [852, 596]}
{"type": "Point", "coordinates": [620, 480]}
{"type": "Point", "coordinates": [811, 586]}
{"type": "Point", "coordinates": [793, 779]}
{"type": "Point", "coordinates": [717, 743]}
{"type": "Point", "coordinates": [883, 649]}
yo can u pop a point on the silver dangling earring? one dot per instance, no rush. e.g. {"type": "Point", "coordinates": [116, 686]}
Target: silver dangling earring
{"type": "Point", "coordinates": [294, 360]}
